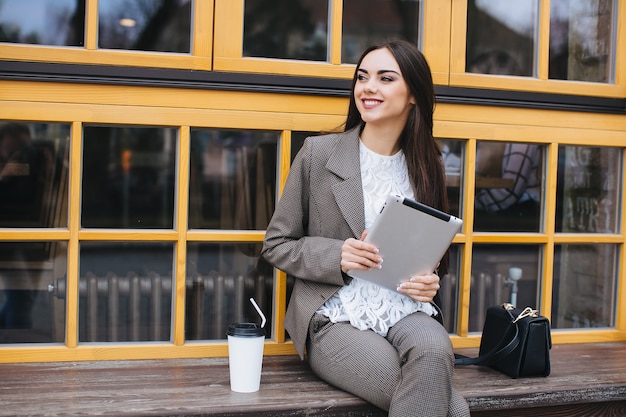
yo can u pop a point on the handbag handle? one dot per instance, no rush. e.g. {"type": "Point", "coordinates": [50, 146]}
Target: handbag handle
{"type": "Point", "coordinates": [499, 352]}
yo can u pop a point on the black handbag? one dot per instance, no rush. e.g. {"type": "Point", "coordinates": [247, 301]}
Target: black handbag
{"type": "Point", "coordinates": [516, 342]}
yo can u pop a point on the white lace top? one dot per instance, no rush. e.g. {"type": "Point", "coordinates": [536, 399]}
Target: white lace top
{"type": "Point", "coordinates": [363, 304]}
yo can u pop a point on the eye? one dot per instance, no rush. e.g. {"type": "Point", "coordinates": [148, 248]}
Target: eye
{"type": "Point", "coordinates": [361, 77]}
{"type": "Point", "coordinates": [386, 78]}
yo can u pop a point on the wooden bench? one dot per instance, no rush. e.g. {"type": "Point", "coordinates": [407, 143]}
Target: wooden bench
{"type": "Point", "coordinates": [586, 380]}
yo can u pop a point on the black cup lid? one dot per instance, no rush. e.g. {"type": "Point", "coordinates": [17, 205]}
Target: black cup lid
{"type": "Point", "coordinates": [245, 330]}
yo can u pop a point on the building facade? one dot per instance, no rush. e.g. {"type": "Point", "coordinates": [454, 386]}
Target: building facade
{"type": "Point", "coordinates": [144, 145]}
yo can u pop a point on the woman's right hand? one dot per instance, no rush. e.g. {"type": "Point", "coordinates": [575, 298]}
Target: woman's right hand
{"type": "Point", "coordinates": [358, 254]}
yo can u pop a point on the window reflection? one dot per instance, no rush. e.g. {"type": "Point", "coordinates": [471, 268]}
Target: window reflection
{"type": "Point", "coordinates": [508, 187]}
{"type": "Point", "coordinates": [582, 34]}
{"type": "Point", "coordinates": [33, 174]}
{"type": "Point", "coordinates": [286, 29]}
{"type": "Point", "coordinates": [588, 196]}
{"type": "Point", "coordinates": [125, 291]}
{"type": "Point", "coordinates": [501, 37]}
{"type": "Point", "coordinates": [232, 179]}
{"type": "Point", "coordinates": [28, 314]}
{"type": "Point", "coordinates": [449, 291]}
{"type": "Point", "coordinates": [452, 153]}
{"type": "Point", "coordinates": [584, 286]}
{"type": "Point", "coordinates": [128, 177]}
{"type": "Point", "coordinates": [221, 279]}
{"type": "Point", "coordinates": [367, 22]}
{"type": "Point", "coordinates": [145, 25]}
{"type": "Point", "coordinates": [503, 273]}
{"type": "Point", "coordinates": [43, 22]}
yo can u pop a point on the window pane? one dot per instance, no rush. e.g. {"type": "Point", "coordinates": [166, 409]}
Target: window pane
{"type": "Point", "coordinates": [588, 196]}
{"type": "Point", "coordinates": [501, 37]}
{"type": "Point", "coordinates": [287, 29]}
{"type": "Point", "coordinates": [508, 187]}
{"type": "Point", "coordinates": [582, 36]}
{"type": "Point", "coordinates": [128, 177]}
{"type": "Point", "coordinates": [28, 313]}
{"type": "Point", "coordinates": [449, 291]}
{"type": "Point", "coordinates": [452, 152]}
{"type": "Point", "coordinates": [221, 279]}
{"type": "Point", "coordinates": [367, 22]}
{"type": "Point", "coordinates": [125, 291]}
{"type": "Point", "coordinates": [145, 25]}
{"type": "Point", "coordinates": [232, 179]}
{"type": "Point", "coordinates": [33, 174]}
{"type": "Point", "coordinates": [584, 286]}
{"type": "Point", "coordinates": [43, 22]}
{"type": "Point", "coordinates": [503, 273]}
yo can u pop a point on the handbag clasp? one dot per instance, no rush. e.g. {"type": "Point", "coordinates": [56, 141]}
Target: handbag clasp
{"type": "Point", "coordinates": [527, 312]}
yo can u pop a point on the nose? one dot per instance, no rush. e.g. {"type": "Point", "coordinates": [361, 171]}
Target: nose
{"type": "Point", "coordinates": [371, 87]}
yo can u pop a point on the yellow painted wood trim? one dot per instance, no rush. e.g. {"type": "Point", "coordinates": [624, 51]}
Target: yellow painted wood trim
{"type": "Point", "coordinates": [16, 235]}
{"type": "Point", "coordinates": [91, 25]}
{"type": "Point", "coordinates": [18, 52]}
{"type": "Point", "coordinates": [543, 40]}
{"type": "Point", "coordinates": [550, 169]}
{"type": "Point", "coordinates": [167, 116]}
{"type": "Point", "coordinates": [458, 34]}
{"type": "Point", "coordinates": [336, 34]}
{"type": "Point", "coordinates": [284, 66]}
{"type": "Point", "coordinates": [73, 249]}
{"type": "Point", "coordinates": [196, 235]}
{"type": "Point", "coordinates": [132, 235]}
{"type": "Point", "coordinates": [572, 238]}
{"type": "Point", "coordinates": [519, 238]}
{"type": "Point", "coordinates": [511, 83]}
{"type": "Point", "coordinates": [163, 97]}
{"type": "Point", "coordinates": [436, 21]}
{"type": "Point", "coordinates": [182, 212]}
{"type": "Point", "coordinates": [620, 310]}
{"type": "Point", "coordinates": [280, 305]}
{"type": "Point", "coordinates": [468, 222]}
{"type": "Point", "coordinates": [228, 29]}
{"type": "Point", "coordinates": [202, 32]}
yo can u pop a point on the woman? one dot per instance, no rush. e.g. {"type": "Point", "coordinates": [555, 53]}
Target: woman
{"type": "Point", "coordinates": [384, 346]}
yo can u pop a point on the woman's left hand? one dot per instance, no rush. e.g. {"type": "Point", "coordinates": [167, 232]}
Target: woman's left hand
{"type": "Point", "coordinates": [421, 287]}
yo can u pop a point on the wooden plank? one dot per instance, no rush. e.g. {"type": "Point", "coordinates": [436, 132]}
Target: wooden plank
{"type": "Point", "coordinates": [584, 377]}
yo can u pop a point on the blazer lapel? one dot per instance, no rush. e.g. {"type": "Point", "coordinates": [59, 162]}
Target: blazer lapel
{"type": "Point", "coordinates": [345, 163]}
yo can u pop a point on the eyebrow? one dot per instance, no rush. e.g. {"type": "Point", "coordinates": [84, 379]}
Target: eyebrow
{"type": "Point", "coordinates": [379, 71]}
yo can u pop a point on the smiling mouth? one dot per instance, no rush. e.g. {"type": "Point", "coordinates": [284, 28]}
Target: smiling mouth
{"type": "Point", "coordinates": [371, 102]}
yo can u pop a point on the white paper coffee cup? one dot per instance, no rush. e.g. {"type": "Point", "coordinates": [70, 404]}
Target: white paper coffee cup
{"type": "Point", "coordinates": [245, 356]}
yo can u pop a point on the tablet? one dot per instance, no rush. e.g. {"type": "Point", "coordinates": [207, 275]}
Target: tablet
{"type": "Point", "coordinates": [411, 237]}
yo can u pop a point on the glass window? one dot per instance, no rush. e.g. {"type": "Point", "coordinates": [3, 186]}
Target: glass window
{"type": "Point", "coordinates": [297, 140]}
{"type": "Point", "coordinates": [503, 274]}
{"type": "Point", "coordinates": [125, 291]}
{"type": "Point", "coordinates": [584, 286]}
{"type": "Point", "coordinates": [582, 40]}
{"type": "Point", "coordinates": [509, 187]}
{"type": "Point", "coordinates": [502, 37]}
{"type": "Point", "coordinates": [367, 22]}
{"type": "Point", "coordinates": [221, 279]}
{"type": "Point", "coordinates": [145, 25]}
{"type": "Point", "coordinates": [33, 174]}
{"type": "Point", "coordinates": [28, 313]}
{"type": "Point", "coordinates": [452, 152]}
{"type": "Point", "coordinates": [43, 22]}
{"type": "Point", "coordinates": [232, 179]}
{"type": "Point", "coordinates": [286, 29]}
{"type": "Point", "coordinates": [128, 177]}
{"type": "Point", "coordinates": [449, 289]}
{"type": "Point", "coordinates": [588, 184]}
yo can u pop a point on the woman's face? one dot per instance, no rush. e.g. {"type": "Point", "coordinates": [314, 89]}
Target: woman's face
{"type": "Point", "coordinates": [381, 93]}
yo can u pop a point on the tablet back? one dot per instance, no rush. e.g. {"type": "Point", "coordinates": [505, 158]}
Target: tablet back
{"type": "Point", "coordinates": [412, 239]}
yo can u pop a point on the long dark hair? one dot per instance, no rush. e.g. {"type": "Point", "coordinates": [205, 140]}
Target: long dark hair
{"type": "Point", "coordinates": [423, 157]}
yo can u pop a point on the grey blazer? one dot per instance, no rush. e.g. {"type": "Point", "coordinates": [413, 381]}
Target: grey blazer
{"type": "Point", "coordinates": [321, 206]}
